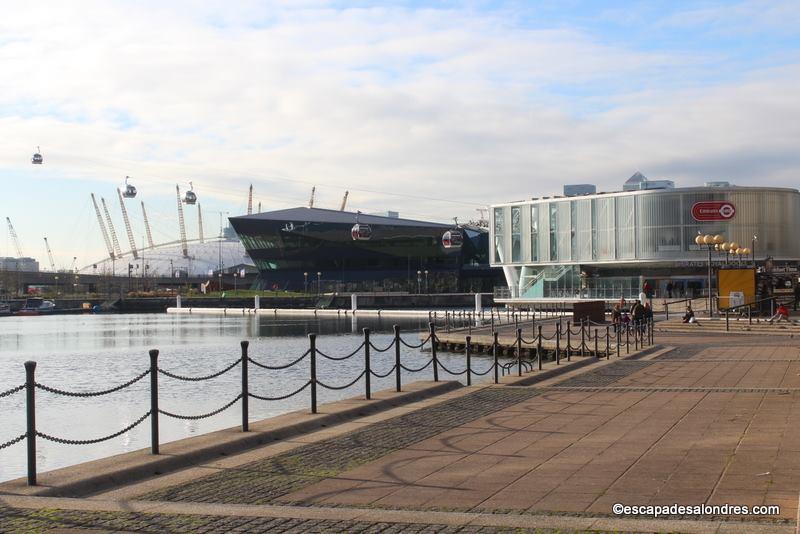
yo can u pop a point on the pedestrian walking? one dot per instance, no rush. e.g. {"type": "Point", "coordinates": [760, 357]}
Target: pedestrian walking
{"type": "Point", "coordinates": [669, 289]}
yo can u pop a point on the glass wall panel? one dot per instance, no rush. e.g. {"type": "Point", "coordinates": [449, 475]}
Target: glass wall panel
{"type": "Point", "coordinates": [626, 222]}
{"type": "Point", "coordinates": [534, 232]}
{"type": "Point", "coordinates": [583, 226]}
{"type": "Point", "coordinates": [516, 234]}
{"type": "Point", "coordinates": [658, 226]}
{"type": "Point", "coordinates": [605, 228]}
{"type": "Point", "coordinates": [553, 229]}
{"type": "Point", "coordinates": [499, 233]}
{"type": "Point", "coordinates": [544, 232]}
{"type": "Point", "coordinates": [564, 231]}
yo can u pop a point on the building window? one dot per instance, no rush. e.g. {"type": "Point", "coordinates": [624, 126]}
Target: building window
{"type": "Point", "coordinates": [553, 228]}
{"type": "Point", "coordinates": [534, 233]}
{"type": "Point", "coordinates": [516, 234]}
{"type": "Point", "coordinates": [499, 256]}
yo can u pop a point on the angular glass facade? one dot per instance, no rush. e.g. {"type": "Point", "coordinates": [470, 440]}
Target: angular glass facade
{"type": "Point", "coordinates": [603, 244]}
{"type": "Point", "coordinates": [290, 247]}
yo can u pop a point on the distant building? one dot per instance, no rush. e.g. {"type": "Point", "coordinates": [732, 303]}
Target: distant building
{"type": "Point", "coordinates": [29, 265]}
{"type": "Point", "coordinates": [574, 190]}
{"type": "Point", "coordinates": [639, 182]}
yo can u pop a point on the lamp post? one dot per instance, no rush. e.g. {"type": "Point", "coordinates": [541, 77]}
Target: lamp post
{"type": "Point", "coordinates": [426, 281]}
{"type": "Point", "coordinates": [319, 277]}
{"type": "Point", "coordinates": [709, 242]}
{"type": "Point", "coordinates": [419, 282]}
{"type": "Point", "coordinates": [305, 283]}
{"type": "Point", "coordinates": [56, 277]}
{"type": "Point", "coordinates": [753, 249]}
{"type": "Point", "coordinates": [235, 276]}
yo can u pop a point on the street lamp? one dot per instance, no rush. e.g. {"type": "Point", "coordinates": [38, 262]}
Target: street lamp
{"type": "Point", "coordinates": [426, 281]}
{"type": "Point", "coordinates": [753, 249]}
{"type": "Point", "coordinates": [235, 276]}
{"type": "Point", "coordinates": [710, 242]}
{"type": "Point", "coordinates": [305, 283]}
{"type": "Point", "coordinates": [419, 282]}
{"type": "Point", "coordinates": [319, 277]}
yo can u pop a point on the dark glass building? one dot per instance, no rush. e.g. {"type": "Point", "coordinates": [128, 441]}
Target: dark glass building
{"type": "Point", "coordinates": [357, 252]}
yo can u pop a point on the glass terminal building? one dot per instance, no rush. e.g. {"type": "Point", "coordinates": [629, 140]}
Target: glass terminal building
{"type": "Point", "coordinates": [359, 252]}
{"type": "Point", "coordinates": [604, 245]}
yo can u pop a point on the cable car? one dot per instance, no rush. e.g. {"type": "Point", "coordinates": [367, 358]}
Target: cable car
{"type": "Point", "coordinates": [452, 239]}
{"type": "Point", "coordinates": [360, 231]}
{"type": "Point", "coordinates": [190, 197]}
{"type": "Point", "coordinates": [130, 191]}
{"type": "Point", "coordinates": [37, 158]}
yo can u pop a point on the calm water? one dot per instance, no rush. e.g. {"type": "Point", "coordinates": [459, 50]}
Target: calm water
{"type": "Point", "coordinates": [95, 352]}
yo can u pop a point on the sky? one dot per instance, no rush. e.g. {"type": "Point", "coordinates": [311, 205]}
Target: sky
{"type": "Point", "coordinates": [431, 109]}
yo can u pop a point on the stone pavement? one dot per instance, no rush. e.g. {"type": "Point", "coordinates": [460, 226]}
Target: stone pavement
{"type": "Point", "coordinates": [714, 421]}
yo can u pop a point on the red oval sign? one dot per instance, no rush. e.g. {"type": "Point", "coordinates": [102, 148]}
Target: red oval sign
{"type": "Point", "coordinates": [713, 210]}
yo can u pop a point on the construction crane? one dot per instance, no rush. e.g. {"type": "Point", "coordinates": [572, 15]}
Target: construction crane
{"type": "Point", "coordinates": [128, 229]}
{"type": "Point", "coordinates": [111, 227]}
{"type": "Point", "coordinates": [250, 201]}
{"type": "Point", "coordinates": [14, 238]}
{"type": "Point", "coordinates": [147, 228]}
{"type": "Point", "coordinates": [344, 201]}
{"type": "Point", "coordinates": [311, 200]}
{"type": "Point", "coordinates": [103, 229]}
{"type": "Point", "coordinates": [182, 224]}
{"type": "Point", "coordinates": [50, 255]}
{"type": "Point", "coordinates": [200, 223]}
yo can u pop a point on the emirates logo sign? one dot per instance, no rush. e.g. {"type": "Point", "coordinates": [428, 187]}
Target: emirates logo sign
{"type": "Point", "coordinates": [713, 210]}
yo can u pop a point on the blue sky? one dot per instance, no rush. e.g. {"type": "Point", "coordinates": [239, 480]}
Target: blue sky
{"type": "Point", "coordinates": [428, 108]}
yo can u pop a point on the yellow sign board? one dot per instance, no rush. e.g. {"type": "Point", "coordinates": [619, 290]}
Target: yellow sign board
{"type": "Point", "coordinates": [736, 287]}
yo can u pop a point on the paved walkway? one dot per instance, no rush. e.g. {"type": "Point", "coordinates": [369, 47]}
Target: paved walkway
{"type": "Point", "coordinates": [714, 421]}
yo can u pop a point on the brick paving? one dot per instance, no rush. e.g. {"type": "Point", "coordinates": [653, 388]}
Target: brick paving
{"type": "Point", "coordinates": [13, 520]}
{"type": "Point", "coordinates": [265, 480]}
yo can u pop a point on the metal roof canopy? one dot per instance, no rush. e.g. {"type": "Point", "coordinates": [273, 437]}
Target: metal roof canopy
{"type": "Point", "coordinates": [334, 216]}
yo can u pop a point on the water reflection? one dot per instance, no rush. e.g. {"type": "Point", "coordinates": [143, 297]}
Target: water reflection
{"type": "Point", "coordinates": [93, 352]}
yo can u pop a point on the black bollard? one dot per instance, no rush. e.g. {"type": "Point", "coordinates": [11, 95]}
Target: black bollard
{"type": "Point", "coordinates": [397, 367]}
{"type": "Point", "coordinates": [312, 342]}
{"type": "Point", "coordinates": [558, 342]}
{"type": "Point", "coordinates": [494, 354]}
{"type": "Point", "coordinates": [30, 408]}
{"type": "Point", "coordinates": [608, 342]}
{"type": "Point", "coordinates": [245, 392]}
{"type": "Point", "coordinates": [539, 349]}
{"type": "Point", "coordinates": [569, 336]}
{"type": "Point", "coordinates": [154, 401]}
{"type": "Point", "coordinates": [433, 352]}
{"type": "Point", "coordinates": [469, 360]}
{"type": "Point", "coordinates": [519, 352]}
{"type": "Point", "coordinates": [367, 370]}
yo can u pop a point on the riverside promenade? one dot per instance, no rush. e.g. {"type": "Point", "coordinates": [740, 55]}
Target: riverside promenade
{"type": "Point", "coordinates": [697, 418]}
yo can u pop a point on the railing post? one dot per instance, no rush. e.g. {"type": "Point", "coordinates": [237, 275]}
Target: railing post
{"type": "Point", "coordinates": [619, 337]}
{"type": "Point", "coordinates": [558, 342]}
{"type": "Point", "coordinates": [596, 352]}
{"type": "Point", "coordinates": [245, 389]}
{"type": "Point", "coordinates": [30, 405]}
{"type": "Point", "coordinates": [583, 339]}
{"type": "Point", "coordinates": [469, 360]}
{"type": "Point", "coordinates": [608, 342]}
{"type": "Point", "coordinates": [397, 367]}
{"type": "Point", "coordinates": [492, 321]}
{"type": "Point", "coordinates": [367, 370]}
{"type": "Point", "coordinates": [727, 321]}
{"type": "Point", "coordinates": [154, 401]}
{"type": "Point", "coordinates": [494, 356]}
{"type": "Point", "coordinates": [312, 353]}
{"type": "Point", "coordinates": [539, 349]}
{"type": "Point", "coordinates": [569, 337]}
{"type": "Point", "coordinates": [519, 352]}
{"type": "Point", "coordinates": [433, 352]}
{"type": "Point", "coordinates": [627, 339]}
{"type": "Point", "coordinates": [666, 309]}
